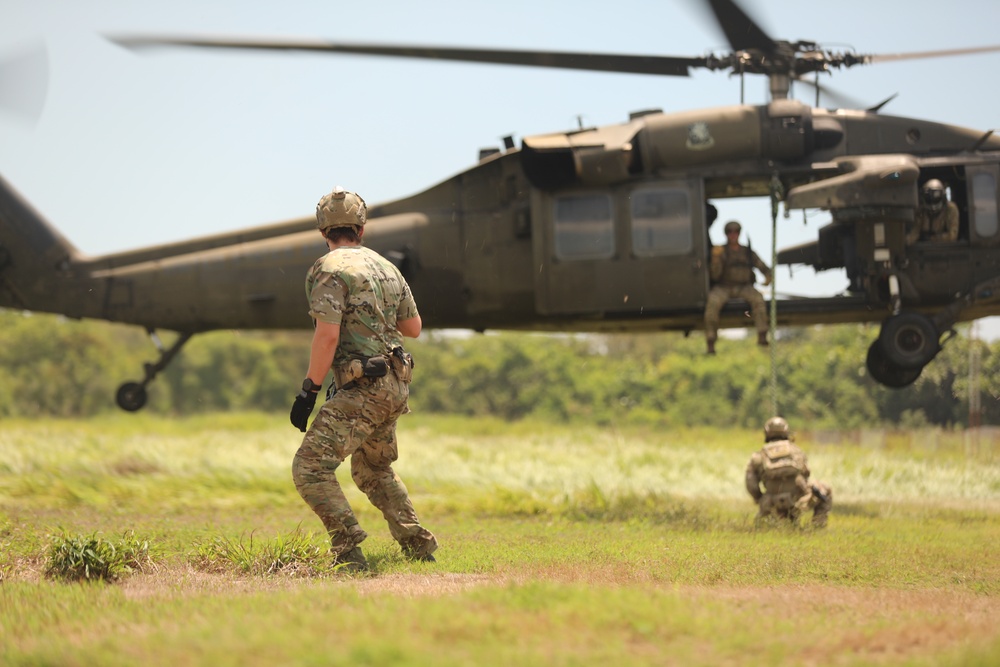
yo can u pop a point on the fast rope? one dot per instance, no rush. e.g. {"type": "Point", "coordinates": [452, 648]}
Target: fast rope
{"type": "Point", "coordinates": [777, 196]}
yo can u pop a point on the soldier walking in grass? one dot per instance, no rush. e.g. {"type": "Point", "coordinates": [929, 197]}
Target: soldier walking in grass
{"type": "Point", "coordinates": [362, 308]}
{"type": "Point", "coordinates": [784, 471]}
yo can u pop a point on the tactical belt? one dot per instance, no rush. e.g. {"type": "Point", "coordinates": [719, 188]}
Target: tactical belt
{"type": "Point", "coordinates": [348, 375]}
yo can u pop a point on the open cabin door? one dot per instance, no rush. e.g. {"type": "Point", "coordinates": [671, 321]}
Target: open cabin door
{"type": "Point", "coordinates": [633, 251]}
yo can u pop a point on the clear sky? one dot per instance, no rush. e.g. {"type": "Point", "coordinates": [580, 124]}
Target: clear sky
{"type": "Point", "coordinates": [136, 149]}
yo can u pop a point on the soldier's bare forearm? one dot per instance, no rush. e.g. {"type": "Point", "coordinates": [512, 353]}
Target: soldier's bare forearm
{"type": "Point", "coordinates": [326, 337]}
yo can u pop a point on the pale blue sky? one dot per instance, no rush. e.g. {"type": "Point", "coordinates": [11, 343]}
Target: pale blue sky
{"type": "Point", "coordinates": [135, 149]}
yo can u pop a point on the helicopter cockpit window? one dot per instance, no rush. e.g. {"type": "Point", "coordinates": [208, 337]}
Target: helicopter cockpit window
{"type": "Point", "coordinates": [984, 192]}
{"type": "Point", "coordinates": [661, 222]}
{"type": "Point", "coordinates": [584, 227]}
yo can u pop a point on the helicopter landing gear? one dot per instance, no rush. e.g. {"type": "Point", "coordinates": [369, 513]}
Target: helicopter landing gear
{"type": "Point", "coordinates": [906, 343]}
{"type": "Point", "coordinates": [887, 373]}
{"type": "Point", "coordinates": [909, 340]}
{"type": "Point", "coordinates": [132, 396]}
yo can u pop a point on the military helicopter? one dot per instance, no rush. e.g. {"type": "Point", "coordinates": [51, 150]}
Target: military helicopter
{"type": "Point", "coordinates": [591, 229]}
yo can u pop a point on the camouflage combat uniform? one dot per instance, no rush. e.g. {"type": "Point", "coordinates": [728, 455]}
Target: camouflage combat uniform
{"type": "Point", "coordinates": [931, 225]}
{"type": "Point", "coordinates": [784, 471]}
{"type": "Point", "coordinates": [733, 278]}
{"type": "Point", "coordinates": [365, 294]}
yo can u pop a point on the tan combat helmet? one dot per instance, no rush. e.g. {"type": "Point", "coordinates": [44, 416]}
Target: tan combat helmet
{"type": "Point", "coordinates": [775, 428]}
{"type": "Point", "coordinates": [732, 226]}
{"type": "Point", "coordinates": [341, 208]}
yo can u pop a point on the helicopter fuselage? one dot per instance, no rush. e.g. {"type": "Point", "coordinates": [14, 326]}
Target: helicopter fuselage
{"type": "Point", "coordinates": [600, 229]}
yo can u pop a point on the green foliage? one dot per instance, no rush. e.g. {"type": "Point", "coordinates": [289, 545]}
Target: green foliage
{"type": "Point", "coordinates": [55, 367]}
{"type": "Point", "coordinates": [50, 366]}
{"type": "Point", "coordinates": [665, 380]}
{"type": "Point", "coordinates": [224, 371]}
{"type": "Point", "coordinates": [93, 558]}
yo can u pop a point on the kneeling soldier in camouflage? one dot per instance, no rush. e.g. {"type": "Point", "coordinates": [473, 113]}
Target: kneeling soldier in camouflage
{"type": "Point", "coordinates": [362, 308]}
{"type": "Point", "coordinates": [784, 471]}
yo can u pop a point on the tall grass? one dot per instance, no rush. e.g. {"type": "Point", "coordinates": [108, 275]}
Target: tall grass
{"type": "Point", "coordinates": [245, 459]}
{"type": "Point", "coordinates": [559, 545]}
{"type": "Point", "coordinates": [294, 553]}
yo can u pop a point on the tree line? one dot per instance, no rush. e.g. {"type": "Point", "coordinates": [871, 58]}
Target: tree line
{"type": "Point", "coordinates": [51, 366]}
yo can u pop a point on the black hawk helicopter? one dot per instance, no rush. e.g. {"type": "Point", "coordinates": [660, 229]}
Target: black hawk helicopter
{"type": "Point", "coordinates": [594, 229]}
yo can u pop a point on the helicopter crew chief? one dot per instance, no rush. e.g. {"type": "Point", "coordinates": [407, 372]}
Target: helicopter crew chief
{"type": "Point", "coordinates": [936, 218]}
{"type": "Point", "coordinates": [784, 471]}
{"type": "Point", "coordinates": [362, 309]}
{"type": "Point", "coordinates": [731, 271]}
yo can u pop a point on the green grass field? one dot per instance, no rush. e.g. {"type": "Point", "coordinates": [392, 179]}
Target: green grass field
{"type": "Point", "coordinates": [560, 545]}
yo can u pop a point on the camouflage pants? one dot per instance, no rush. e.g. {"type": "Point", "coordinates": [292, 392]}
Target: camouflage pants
{"type": "Point", "coordinates": [720, 294]}
{"type": "Point", "coordinates": [792, 506]}
{"type": "Point", "coordinates": [359, 423]}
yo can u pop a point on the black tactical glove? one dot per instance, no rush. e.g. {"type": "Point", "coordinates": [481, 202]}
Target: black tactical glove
{"type": "Point", "coordinates": [303, 406]}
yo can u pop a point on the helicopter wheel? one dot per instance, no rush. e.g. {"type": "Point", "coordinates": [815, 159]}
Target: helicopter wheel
{"type": "Point", "coordinates": [131, 396]}
{"type": "Point", "coordinates": [909, 340]}
{"type": "Point", "coordinates": [887, 373]}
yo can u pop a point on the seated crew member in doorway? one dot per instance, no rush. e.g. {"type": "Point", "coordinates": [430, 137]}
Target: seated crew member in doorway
{"type": "Point", "coordinates": [936, 218]}
{"type": "Point", "coordinates": [731, 271]}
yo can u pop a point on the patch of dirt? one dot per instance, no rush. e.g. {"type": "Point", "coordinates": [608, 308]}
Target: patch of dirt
{"type": "Point", "coordinates": [868, 624]}
{"type": "Point", "coordinates": [417, 585]}
{"type": "Point", "coordinates": [174, 582]}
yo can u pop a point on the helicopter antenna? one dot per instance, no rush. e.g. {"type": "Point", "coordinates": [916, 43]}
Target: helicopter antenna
{"type": "Point", "coordinates": [982, 140]}
{"type": "Point", "coordinates": [878, 107]}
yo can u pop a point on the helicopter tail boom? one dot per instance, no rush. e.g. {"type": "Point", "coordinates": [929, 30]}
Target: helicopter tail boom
{"type": "Point", "coordinates": [34, 257]}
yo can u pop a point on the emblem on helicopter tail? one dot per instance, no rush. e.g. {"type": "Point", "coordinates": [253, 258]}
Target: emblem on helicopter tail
{"type": "Point", "coordinates": [699, 138]}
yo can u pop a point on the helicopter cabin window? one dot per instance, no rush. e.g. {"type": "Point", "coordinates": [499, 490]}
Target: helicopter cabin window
{"type": "Point", "coordinates": [584, 227]}
{"type": "Point", "coordinates": [984, 193]}
{"type": "Point", "coordinates": [661, 222]}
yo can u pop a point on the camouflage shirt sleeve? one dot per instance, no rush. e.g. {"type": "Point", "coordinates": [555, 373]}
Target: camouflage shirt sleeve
{"type": "Point", "coordinates": [407, 306]}
{"type": "Point", "coordinates": [759, 264]}
{"type": "Point", "coordinates": [328, 297]}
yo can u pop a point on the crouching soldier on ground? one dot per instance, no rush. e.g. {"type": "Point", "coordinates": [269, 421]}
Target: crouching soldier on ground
{"type": "Point", "coordinates": [783, 470]}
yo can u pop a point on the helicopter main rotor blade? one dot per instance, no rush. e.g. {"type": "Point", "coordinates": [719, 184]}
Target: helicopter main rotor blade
{"type": "Point", "coordinates": [742, 31]}
{"type": "Point", "coordinates": [600, 62]}
{"type": "Point", "coordinates": [24, 82]}
{"type": "Point", "coordinates": [889, 57]}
